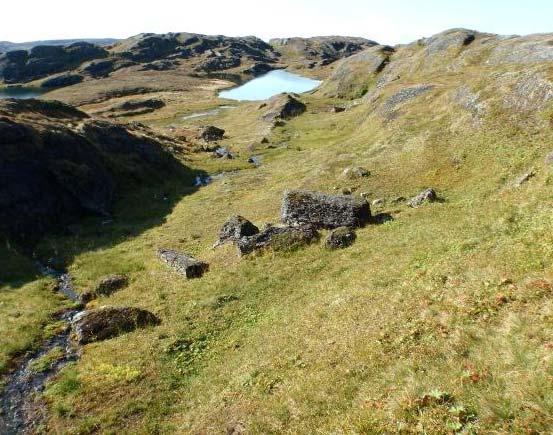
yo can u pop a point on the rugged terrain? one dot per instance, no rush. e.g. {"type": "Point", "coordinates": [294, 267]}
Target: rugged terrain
{"type": "Point", "coordinates": [435, 317]}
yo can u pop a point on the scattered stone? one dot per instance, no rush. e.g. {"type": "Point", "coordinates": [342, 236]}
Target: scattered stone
{"type": "Point", "coordinates": [340, 238]}
{"type": "Point", "coordinates": [524, 178]}
{"type": "Point", "coordinates": [278, 238]}
{"type": "Point", "coordinates": [183, 263]}
{"type": "Point", "coordinates": [337, 109]}
{"type": "Point", "coordinates": [107, 322]}
{"type": "Point", "coordinates": [223, 153]}
{"type": "Point", "coordinates": [549, 159]}
{"type": "Point", "coordinates": [355, 172]}
{"type": "Point", "coordinates": [235, 228]}
{"type": "Point", "coordinates": [398, 199]}
{"type": "Point", "coordinates": [346, 191]}
{"type": "Point", "coordinates": [365, 195]}
{"type": "Point", "coordinates": [111, 284]}
{"type": "Point", "coordinates": [429, 195]}
{"type": "Point", "coordinates": [327, 211]}
{"type": "Point", "coordinates": [264, 140]}
{"type": "Point", "coordinates": [211, 133]}
{"type": "Point", "coordinates": [377, 202]}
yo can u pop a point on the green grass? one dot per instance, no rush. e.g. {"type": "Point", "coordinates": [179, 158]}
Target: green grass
{"type": "Point", "coordinates": [436, 322]}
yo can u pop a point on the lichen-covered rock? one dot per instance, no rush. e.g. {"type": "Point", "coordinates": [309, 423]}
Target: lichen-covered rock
{"type": "Point", "coordinates": [278, 238]}
{"type": "Point", "coordinates": [340, 238]}
{"type": "Point", "coordinates": [355, 172]}
{"type": "Point", "coordinates": [183, 263]}
{"type": "Point", "coordinates": [428, 195]}
{"type": "Point", "coordinates": [211, 133]}
{"type": "Point", "coordinates": [108, 322]}
{"type": "Point", "coordinates": [111, 284]}
{"type": "Point", "coordinates": [235, 228]}
{"type": "Point", "coordinates": [326, 211]}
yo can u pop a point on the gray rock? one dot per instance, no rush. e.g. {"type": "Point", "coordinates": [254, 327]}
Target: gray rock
{"type": "Point", "coordinates": [235, 228]}
{"type": "Point", "coordinates": [549, 159]}
{"type": "Point", "coordinates": [111, 284]}
{"type": "Point", "coordinates": [340, 238]}
{"type": "Point", "coordinates": [337, 109]}
{"type": "Point", "coordinates": [107, 322]}
{"type": "Point", "coordinates": [326, 211]}
{"type": "Point", "coordinates": [211, 133]}
{"type": "Point", "coordinates": [377, 202]}
{"type": "Point", "coordinates": [183, 263]}
{"type": "Point", "coordinates": [428, 195]}
{"type": "Point", "coordinates": [405, 95]}
{"type": "Point", "coordinates": [524, 178]}
{"type": "Point", "coordinates": [278, 238]}
{"type": "Point", "coordinates": [355, 172]}
{"type": "Point", "coordinates": [283, 107]}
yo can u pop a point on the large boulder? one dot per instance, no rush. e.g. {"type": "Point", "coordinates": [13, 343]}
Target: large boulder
{"type": "Point", "coordinates": [326, 211]}
{"type": "Point", "coordinates": [183, 263]}
{"type": "Point", "coordinates": [235, 228]}
{"type": "Point", "coordinates": [283, 106]}
{"type": "Point", "coordinates": [111, 284]}
{"type": "Point", "coordinates": [278, 238]}
{"type": "Point", "coordinates": [107, 322]}
{"type": "Point", "coordinates": [210, 133]}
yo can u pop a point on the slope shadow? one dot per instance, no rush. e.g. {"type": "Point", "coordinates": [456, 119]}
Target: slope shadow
{"type": "Point", "coordinates": [134, 212]}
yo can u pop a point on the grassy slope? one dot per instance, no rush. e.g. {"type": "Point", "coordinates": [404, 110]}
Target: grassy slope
{"type": "Point", "coordinates": [436, 322]}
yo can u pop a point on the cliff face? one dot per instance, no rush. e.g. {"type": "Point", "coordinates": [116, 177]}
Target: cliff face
{"type": "Point", "coordinates": [57, 163]}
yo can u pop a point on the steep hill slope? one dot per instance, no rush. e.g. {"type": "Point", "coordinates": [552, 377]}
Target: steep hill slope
{"type": "Point", "coordinates": [437, 319]}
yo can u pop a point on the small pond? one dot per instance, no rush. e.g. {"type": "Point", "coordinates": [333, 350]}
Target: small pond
{"type": "Point", "coordinates": [272, 83]}
{"type": "Point", "coordinates": [21, 93]}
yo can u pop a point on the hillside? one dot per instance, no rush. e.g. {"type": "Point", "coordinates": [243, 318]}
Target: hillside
{"type": "Point", "coordinates": [10, 46]}
{"type": "Point", "coordinates": [438, 317]}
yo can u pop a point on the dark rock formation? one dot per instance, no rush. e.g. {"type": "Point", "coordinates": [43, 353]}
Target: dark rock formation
{"type": "Point", "coordinates": [57, 164]}
{"type": "Point", "coordinates": [108, 322]}
{"type": "Point", "coordinates": [136, 107]}
{"type": "Point", "coordinates": [183, 263]}
{"type": "Point", "coordinates": [428, 195]}
{"type": "Point", "coordinates": [326, 211]}
{"type": "Point", "coordinates": [160, 65]}
{"type": "Point", "coordinates": [235, 228]}
{"type": "Point", "coordinates": [218, 63]}
{"type": "Point", "coordinates": [340, 238]}
{"type": "Point", "coordinates": [278, 238]}
{"type": "Point", "coordinates": [111, 284]}
{"type": "Point", "coordinates": [42, 61]}
{"type": "Point", "coordinates": [259, 69]}
{"type": "Point", "coordinates": [99, 68]}
{"type": "Point", "coordinates": [283, 106]}
{"type": "Point", "coordinates": [211, 133]}
{"type": "Point", "coordinates": [61, 80]}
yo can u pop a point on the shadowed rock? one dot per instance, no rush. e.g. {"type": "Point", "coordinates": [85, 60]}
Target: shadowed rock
{"type": "Point", "coordinates": [340, 238]}
{"type": "Point", "coordinates": [107, 322]}
{"type": "Point", "coordinates": [428, 195]}
{"type": "Point", "coordinates": [183, 263]}
{"type": "Point", "coordinates": [111, 284]}
{"type": "Point", "coordinates": [283, 106]}
{"type": "Point", "coordinates": [235, 228]}
{"type": "Point", "coordinates": [61, 80]}
{"type": "Point", "coordinates": [211, 133]}
{"type": "Point", "coordinates": [278, 238]}
{"type": "Point", "coordinates": [326, 211]}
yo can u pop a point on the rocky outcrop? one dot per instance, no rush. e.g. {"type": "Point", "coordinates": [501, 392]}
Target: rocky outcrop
{"type": "Point", "coordinates": [135, 107]}
{"type": "Point", "coordinates": [235, 228]}
{"type": "Point", "coordinates": [428, 195]}
{"type": "Point", "coordinates": [110, 284]}
{"type": "Point", "coordinates": [61, 81]}
{"type": "Point", "coordinates": [183, 263]}
{"type": "Point", "coordinates": [41, 61]}
{"type": "Point", "coordinates": [58, 164]}
{"type": "Point", "coordinates": [283, 107]}
{"type": "Point", "coordinates": [355, 172]}
{"type": "Point", "coordinates": [340, 238]}
{"type": "Point", "coordinates": [108, 322]}
{"type": "Point", "coordinates": [320, 50]}
{"type": "Point", "coordinates": [278, 238]}
{"type": "Point", "coordinates": [324, 211]}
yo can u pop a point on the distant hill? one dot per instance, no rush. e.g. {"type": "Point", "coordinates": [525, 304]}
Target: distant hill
{"type": "Point", "coordinates": [8, 46]}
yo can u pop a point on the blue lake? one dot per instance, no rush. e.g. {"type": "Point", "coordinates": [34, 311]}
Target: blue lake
{"type": "Point", "coordinates": [21, 93]}
{"type": "Point", "coordinates": [272, 83]}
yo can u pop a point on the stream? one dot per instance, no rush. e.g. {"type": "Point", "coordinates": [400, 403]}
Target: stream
{"type": "Point", "coordinates": [22, 410]}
